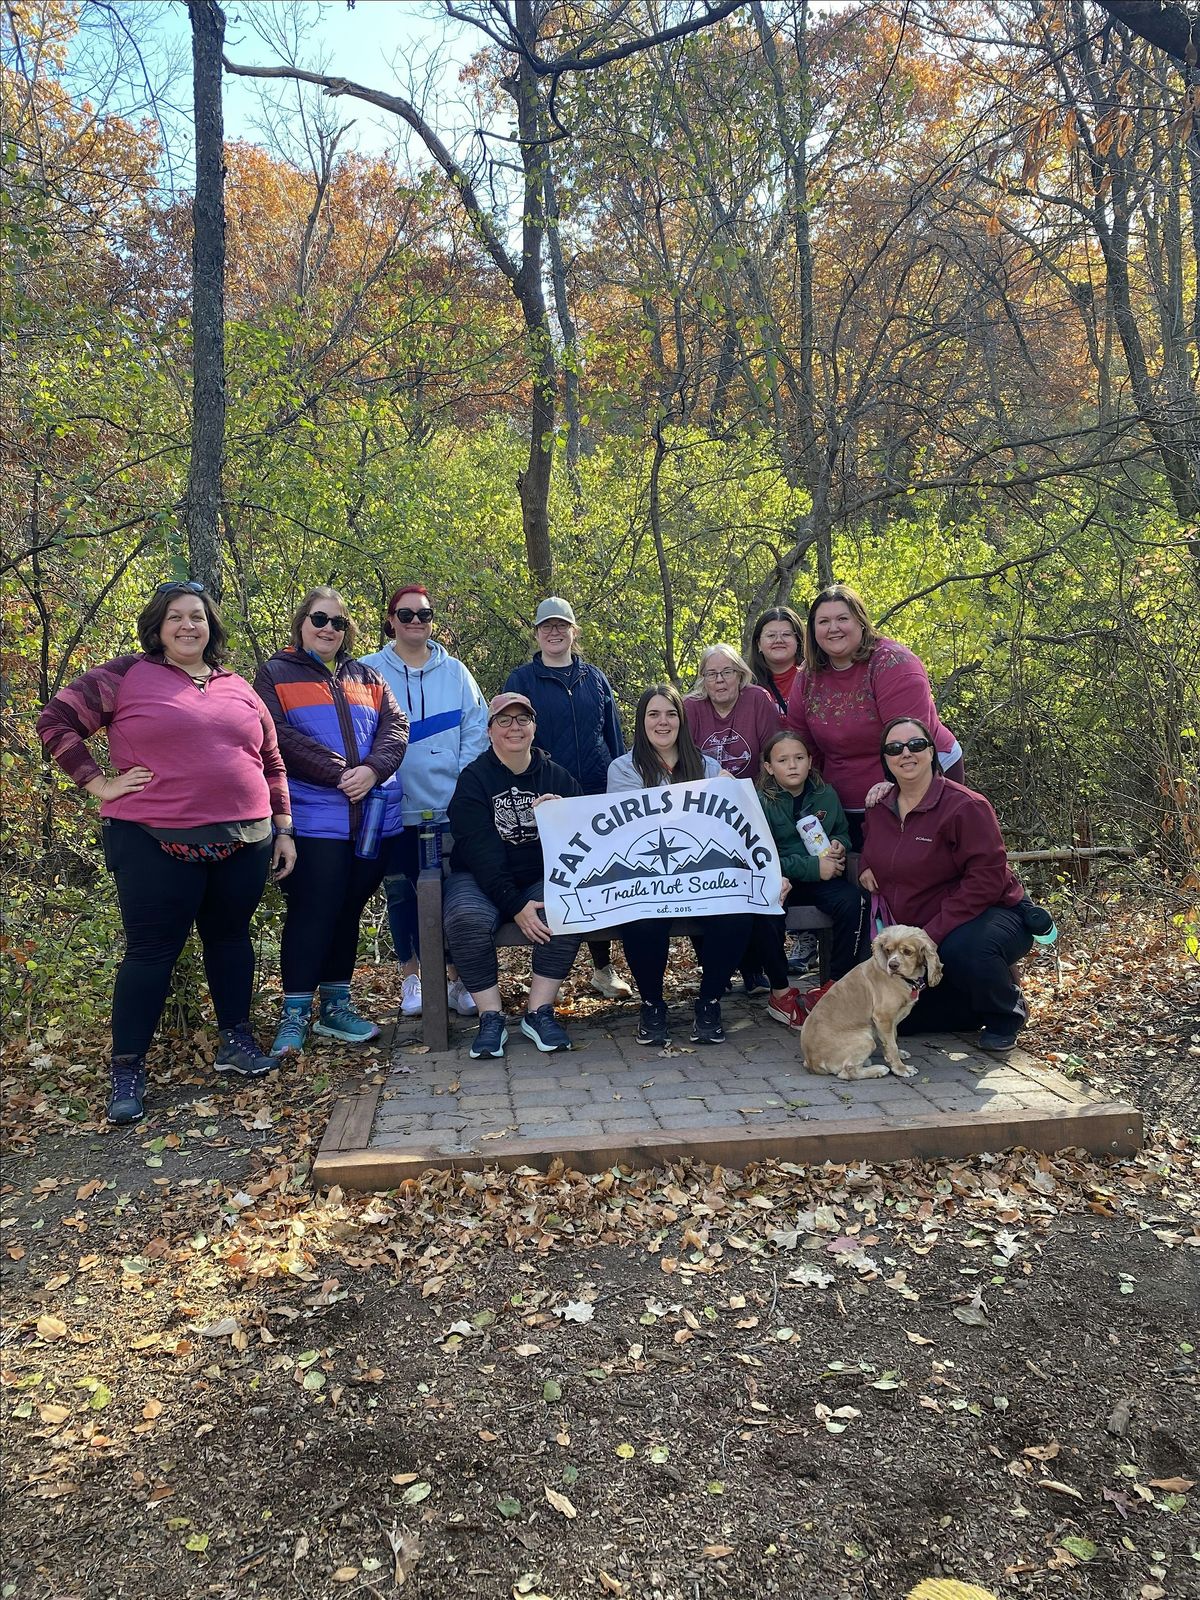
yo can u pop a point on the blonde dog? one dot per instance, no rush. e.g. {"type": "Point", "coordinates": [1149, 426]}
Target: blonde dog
{"type": "Point", "coordinates": [838, 1036]}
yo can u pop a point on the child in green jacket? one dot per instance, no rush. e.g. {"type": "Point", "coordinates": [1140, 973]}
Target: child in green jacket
{"type": "Point", "coordinates": [790, 791]}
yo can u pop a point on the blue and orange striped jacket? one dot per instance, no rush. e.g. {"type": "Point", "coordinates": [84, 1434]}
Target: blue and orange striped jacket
{"type": "Point", "coordinates": [328, 720]}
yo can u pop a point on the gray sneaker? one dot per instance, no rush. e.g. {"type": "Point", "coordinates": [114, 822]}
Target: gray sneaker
{"type": "Point", "coordinates": [239, 1054]}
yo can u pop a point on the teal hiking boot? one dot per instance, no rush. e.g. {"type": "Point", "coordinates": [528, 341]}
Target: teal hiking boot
{"type": "Point", "coordinates": [337, 1018]}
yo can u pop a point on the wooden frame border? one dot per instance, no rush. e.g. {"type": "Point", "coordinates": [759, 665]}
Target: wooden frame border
{"type": "Point", "coordinates": [1102, 1127]}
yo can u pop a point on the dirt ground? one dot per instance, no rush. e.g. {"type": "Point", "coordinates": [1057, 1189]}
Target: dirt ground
{"type": "Point", "coordinates": [688, 1383]}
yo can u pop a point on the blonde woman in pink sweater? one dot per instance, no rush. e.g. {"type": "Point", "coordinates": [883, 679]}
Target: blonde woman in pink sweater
{"type": "Point", "coordinates": [195, 814]}
{"type": "Point", "coordinates": [852, 684]}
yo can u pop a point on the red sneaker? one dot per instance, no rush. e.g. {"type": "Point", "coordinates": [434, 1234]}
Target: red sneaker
{"type": "Point", "coordinates": [787, 1008]}
{"type": "Point", "coordinates": [809, 1000]}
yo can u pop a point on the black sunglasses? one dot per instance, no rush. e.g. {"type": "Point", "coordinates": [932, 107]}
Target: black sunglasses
{"type": "Point", "coordinates": [181, 586]}
{"type": "Point", "coordinates": [322, 619]}
{"type": "Point", "coordinates": [895, 747]}
{"type": "Point", "coordinates": [407, 614]}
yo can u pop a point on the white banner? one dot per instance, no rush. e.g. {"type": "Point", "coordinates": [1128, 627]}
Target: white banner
{"type": "Point", "coordinates": [690, 850]}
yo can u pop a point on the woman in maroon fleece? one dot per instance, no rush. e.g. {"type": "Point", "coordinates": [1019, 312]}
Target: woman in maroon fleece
{"type": "Point", "coordinates": [933, 849]}
{"type": "Point", "coordinates": [195, 812]}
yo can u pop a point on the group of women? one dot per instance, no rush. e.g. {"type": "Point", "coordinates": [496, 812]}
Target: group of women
{"type": "Point", "coordinates": [323, 773]}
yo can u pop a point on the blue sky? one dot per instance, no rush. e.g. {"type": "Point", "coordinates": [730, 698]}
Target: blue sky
{"type": "Point", "coordinates": [406, 47]}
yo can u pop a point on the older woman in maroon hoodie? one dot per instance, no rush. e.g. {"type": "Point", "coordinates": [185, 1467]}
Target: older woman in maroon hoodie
{"type": "Point", "coordinates": [195, 812]}
{"type": "Point", "coordinates": [933, 849]}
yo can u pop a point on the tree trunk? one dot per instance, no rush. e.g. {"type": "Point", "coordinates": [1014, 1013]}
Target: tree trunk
{"type": "Point", "coordinates": [202, 501]}
{"type": "Point", "coordinates": [534, 482]}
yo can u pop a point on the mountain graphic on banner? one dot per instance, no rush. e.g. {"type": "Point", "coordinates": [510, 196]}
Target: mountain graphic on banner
{"type": "Point", "coordinates": [656, 857]}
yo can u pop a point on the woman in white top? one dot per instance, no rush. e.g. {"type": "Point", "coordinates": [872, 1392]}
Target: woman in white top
{"type": "Point", "coordinates": [664, 752]}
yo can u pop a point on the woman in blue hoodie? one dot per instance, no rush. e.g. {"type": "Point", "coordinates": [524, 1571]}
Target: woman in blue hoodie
{"type": "Point", "coordinates": [577, 726]}
{"type": "Point", "coordinates": [447, 721]}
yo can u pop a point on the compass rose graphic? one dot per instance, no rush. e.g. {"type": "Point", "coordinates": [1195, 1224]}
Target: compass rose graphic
{"type": "Point", "coordinates": [663, 851]}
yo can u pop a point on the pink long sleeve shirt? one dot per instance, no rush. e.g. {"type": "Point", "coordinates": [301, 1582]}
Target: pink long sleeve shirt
{"type": "Point", "coordinates": [734, 741]}
{"type": "Point", "coordinates": [841, 715]}
{"type": "Point", "coordinates": [214, 754]}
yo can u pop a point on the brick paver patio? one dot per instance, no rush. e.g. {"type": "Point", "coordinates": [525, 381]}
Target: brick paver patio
{"type": "Point", "coordinates": [610, 1101]}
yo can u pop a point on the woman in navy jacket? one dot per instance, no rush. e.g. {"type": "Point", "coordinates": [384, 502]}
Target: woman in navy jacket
{"type": "Point", "coordinates": [577, 726]}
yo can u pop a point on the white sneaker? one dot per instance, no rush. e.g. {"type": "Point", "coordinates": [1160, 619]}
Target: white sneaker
{"type": "Point", "coordinates": [609, 982]}
{"type": "Point", "coordinates": [458, 997]}
{"type": "Point", "coordinates": [410, 996]}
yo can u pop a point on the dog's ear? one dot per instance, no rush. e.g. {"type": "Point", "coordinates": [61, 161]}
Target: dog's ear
{"type": "Point", "coordinates": [881, 948]}
{"type": "Point", "coordinates": [933, 963]}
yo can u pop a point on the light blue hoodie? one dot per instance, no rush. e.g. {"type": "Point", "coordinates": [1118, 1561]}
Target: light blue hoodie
{"type": "Point", "coordinates": [447, 729]}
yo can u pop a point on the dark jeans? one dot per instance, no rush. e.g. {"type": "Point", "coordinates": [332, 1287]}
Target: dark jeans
{"type": "Point", "coordinates": [470, 920]}
{"type": "Point", "coordinates": [160, 899]}
{"type": "Point", "coordinates": [401, 866]}
{"type": "Point", "coordinates": [720, 946]}
{"type": "Point", "coordinates": [977, 989]}
{"type": "Point", "coordinates": [326, 893]}
{"type": "Point", "coordinates": [846, 904]}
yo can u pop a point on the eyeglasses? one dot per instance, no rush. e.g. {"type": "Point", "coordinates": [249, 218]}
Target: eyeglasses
{"type": "Point", "coordinates": [407, 614]}
{"type": "Point", "coordinates": [723, 672]}
{"type": "Point", "coordinates": [896, 747]}
{"type": "Point", "coordinates": [519, 719]}
{"type": "Point", "coordinates": [180, 586]}
{"type": "Point", "coordinates": [555, 626]}
{"type": "Point", "coordinates": [322, 619]}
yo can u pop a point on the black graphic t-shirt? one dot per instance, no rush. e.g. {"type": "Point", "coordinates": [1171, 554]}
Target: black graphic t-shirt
{"type": "Point", "coordinates": [492, 820]}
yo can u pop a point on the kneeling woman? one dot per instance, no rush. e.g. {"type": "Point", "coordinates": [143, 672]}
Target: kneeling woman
{"type": "Point", "coordinates": [934, 851]}
{"type": "Point", "coordinates": [497, 875]}
{"type": "Point", "coordinates": [664, 752]}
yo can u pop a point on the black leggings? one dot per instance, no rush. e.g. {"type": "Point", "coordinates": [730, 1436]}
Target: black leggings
{"type": "Point", "coordinates": [326, 892]}
{"type": "Point", "coordinates": [160, 898]}
{"type": "Point", "coordinates": [719, 941]}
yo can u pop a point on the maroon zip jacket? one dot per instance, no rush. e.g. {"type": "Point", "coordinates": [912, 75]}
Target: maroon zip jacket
{"type": "Point", "coordinates": [944, 864]}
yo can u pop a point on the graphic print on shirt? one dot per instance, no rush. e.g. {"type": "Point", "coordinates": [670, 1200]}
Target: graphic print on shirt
{"type": "Point", "coordinates": [512, 812]}
{"type": "Point", "coordinates": [729, 750]}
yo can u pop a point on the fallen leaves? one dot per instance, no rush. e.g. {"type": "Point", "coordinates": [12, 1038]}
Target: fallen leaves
{"type": "Point", "coordinates": [50, 1328]}
{"type": "Point", "coordinates": [560, 1502]}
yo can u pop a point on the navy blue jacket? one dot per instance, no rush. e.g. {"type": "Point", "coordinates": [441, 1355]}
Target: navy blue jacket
{"type": "Point", "coordinates": [577, 722]}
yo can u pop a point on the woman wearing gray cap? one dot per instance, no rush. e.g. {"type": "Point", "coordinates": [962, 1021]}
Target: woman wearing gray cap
{"type": "Point", "coordinates": [497, 876]}
{"type": "Point", "coordinates": [577, 726]}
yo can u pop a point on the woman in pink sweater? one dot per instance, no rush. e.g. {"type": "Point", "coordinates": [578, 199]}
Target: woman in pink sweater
{"type": "Point", "coordinates": [853, 683]}
{"type": "Point", "coordinates": [194, 814]}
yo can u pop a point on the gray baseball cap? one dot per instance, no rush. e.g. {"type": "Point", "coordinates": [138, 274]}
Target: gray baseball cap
{"type": "Point", "coordinates": [554, 609]}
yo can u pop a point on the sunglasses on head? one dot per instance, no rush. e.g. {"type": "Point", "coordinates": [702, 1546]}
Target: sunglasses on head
{"type": "Point", "coordinates": [895, 747]}
{"type": "Point", "coordinates": [322, 619]}
{"type": "Point", "coordinates": [180, 586]}
{"type": "Point", "coordinates": [407, 614]}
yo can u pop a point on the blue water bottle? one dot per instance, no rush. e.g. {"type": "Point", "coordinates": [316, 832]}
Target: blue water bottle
{"type": "Point", "coordinates": [429, 842]}
{"type": "Point", "coordinates": [370, 827]}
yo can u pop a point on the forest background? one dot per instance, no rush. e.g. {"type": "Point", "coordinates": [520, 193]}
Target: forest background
{"type": "Point", "coordinates": [702, 305]}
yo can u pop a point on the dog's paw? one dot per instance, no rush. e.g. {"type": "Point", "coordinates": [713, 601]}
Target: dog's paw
{"type": "Point", "coordinates": [902, 1071]}
{"type": "Point", "coordinates": [869, 1069]}
{"type": "Point", "coordinates": [905, 1055]}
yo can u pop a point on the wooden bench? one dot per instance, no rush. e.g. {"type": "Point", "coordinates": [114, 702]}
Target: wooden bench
{"type": "Point", "coordinates": [435, 1010]}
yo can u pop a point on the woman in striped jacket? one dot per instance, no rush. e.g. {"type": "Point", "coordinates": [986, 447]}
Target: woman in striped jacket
{"type": "Point", "coordinates": [342, 735]}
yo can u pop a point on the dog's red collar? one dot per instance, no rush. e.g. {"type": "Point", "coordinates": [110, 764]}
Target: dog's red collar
{"type": "Point", "coordinates": [915, 988]}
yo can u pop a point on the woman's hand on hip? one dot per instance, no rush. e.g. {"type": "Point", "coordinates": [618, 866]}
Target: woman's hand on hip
{"type": "Point", "coordinates": [356, 782]}
{"type": "Point", "coordinates": [283, 856]}
{"type": "Point", "coordinates": [123, 783]}
{"type": "Point", "coordinates": [868, 881]}
{"type": "Point", "coordinates": [530, 924]}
